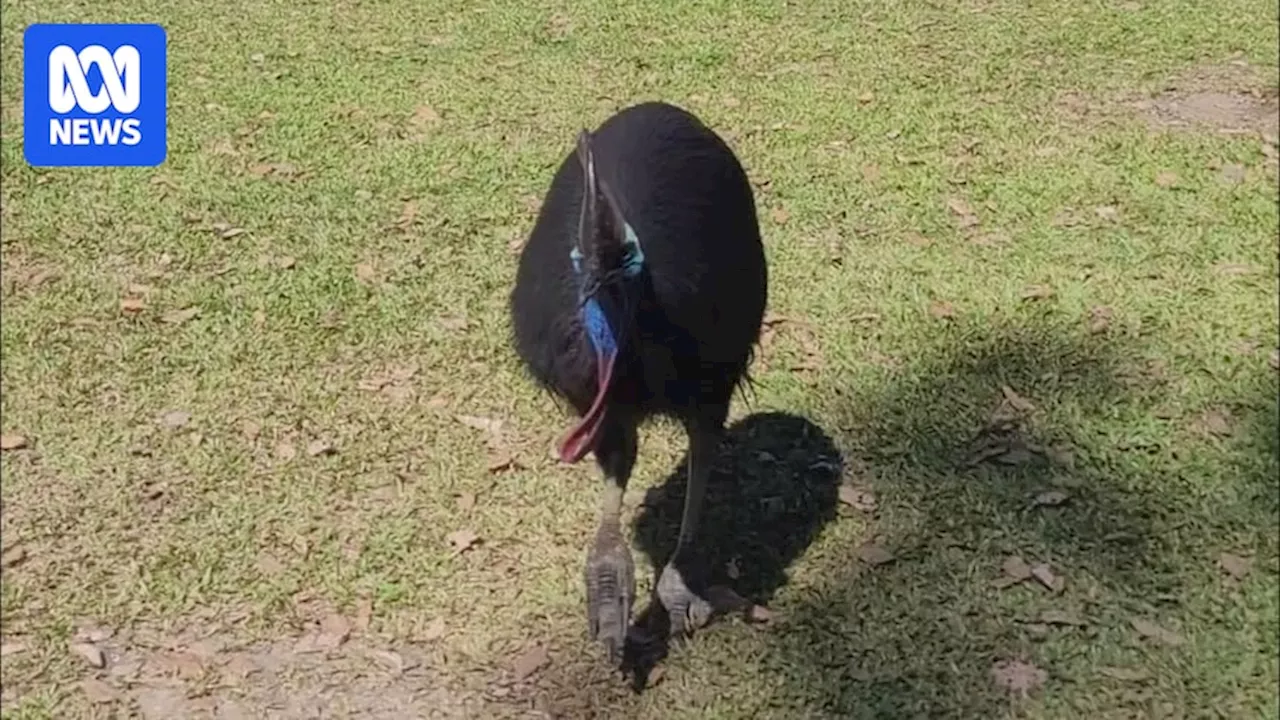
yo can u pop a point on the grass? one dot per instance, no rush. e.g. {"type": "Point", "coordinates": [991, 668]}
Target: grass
{"type": "Point", "coordinates": [382, 158]}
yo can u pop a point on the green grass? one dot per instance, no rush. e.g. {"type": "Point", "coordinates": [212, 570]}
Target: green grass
{"type": "Point", "coordinates": [862, 119]}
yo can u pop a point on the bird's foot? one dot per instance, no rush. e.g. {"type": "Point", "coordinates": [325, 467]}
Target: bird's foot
{"type": "Point", "coordinates": [687, 610]}
{"type": "Point", "coordinates": [611, 589]}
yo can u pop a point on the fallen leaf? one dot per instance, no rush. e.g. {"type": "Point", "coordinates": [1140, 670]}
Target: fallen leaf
{"type": "Point", "coordinates": [1016, 401]}
{"type": "Point", "coordinates": [1124, 674]}
{"type": "Point", "coordinates": [320, 447]}
{"type": "Point", "coordinates": [942, 310]}
{"type": "Point", "coordinates": [462, 540]}
{"type": "Point", "coordinates": [393, 660]}
{"type": "Point", "coordinates": [1050, 498]}
{"type": "Point", "coordinates": [366, 274]}
{"type": "Point", "coordinates": [874, 555]}
{"type": "Point", "coordinates": [866, 97]}
{"type": "Point", "coordinates": [259, 317]}
{"type": "Point", "coordinates": [1099, 318]}
{"type": "Point", "coordinates": [226, 231]}
{"type": "Point", "coordinates": [780, 215]}
{"type": "Point", "coordinates": [1016, 568]}
{"type": "Point", "coordinates": [424, 115]}
{"type": "Point", "coordinates": [94, 634]}
{"type": "Point", "coordinates": [655, 676]}
{"type": "Point", "coordinates": [133, 305]}
{"type": "Point", "coordinates": [8, 648]}
{"type": "Point", "coordinates": [334, 631]}
{"type": "Point", "coordinates": [1234, 565]}
{"type": "Point", "coordinates": [1235, 269]}
{"type": "Point", "coordinates": [177, 317]}
{"type": "Point", "coordinates": [1233, 173]}
{"type": "Point", "coordinates": [250, 429]}
{"type": "Point", "coordinates": [13, 556]}
{"type": "Point", "coordinates": [364, 613]}
{"type": "Point", "coordinates": [760, 614]}
{"type": "Point", "coordinates": [1061, 617]}
{"type": "Point", "coordinates": [90, 653]}
{"type": "Point", "coordinates": [857, 498]}
{"type": "Point", "coordinates": [871, 173]}
{"type": "Point", "coordinates": [1037, 292]}
{"type": "Point", "coordinates": [1152, 631]}
{"type": "Point", "coordinates": [466, 501]}
{"type": "Point", "coordinates": [453, 322]}
{"type": "Point", "coordinates": [483, 424]}
{"type": "Point", "coordinates": [1166, 179]}
{"type": "Point", "coordinates": [966, 217]}
{"type": "Point", "coordinates": [1107, 212]}
{"type": "Point", "coordinates": [175, 419]}
{"type": "Point", "coordinates": [1213, 422]}
{"type": "Point", "coordinates": [1018, 676]}
{"type": "Point", "coordinates": [530, 662]}
{"type": "Point", "coordinates": [286, 451]}
{"type": "Point", "coordinates": [12, 441]}
{"type": "Point", "coordinates": [434, 630]}
{"type": "Point", "coordinates": [1045, 577]}
{"type": "Point", "coordinates": [98, 692]}
{"type": "Point", "coordinates": [286, 262]}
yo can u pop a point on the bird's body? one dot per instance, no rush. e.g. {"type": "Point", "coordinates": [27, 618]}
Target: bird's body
{"type": "Point", "coordinates": [641, 292]}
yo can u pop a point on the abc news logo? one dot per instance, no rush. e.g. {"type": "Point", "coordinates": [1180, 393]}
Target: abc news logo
{"type": "Point", "coordinates": [95, 95]}
{"type": "Point", "coordinates": [69, 88]}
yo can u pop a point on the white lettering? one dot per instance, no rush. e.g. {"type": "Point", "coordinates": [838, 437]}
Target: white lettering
{"type": "Point", "coordinates": [95, 131]}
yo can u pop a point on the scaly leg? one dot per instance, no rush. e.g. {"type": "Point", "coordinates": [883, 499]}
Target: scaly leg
{"type": "Point", "coordinates": [610, 571]}
{"type": "Point", "coordinates": [686, 609]}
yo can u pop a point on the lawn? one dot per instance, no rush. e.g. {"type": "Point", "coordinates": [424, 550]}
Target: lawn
{"type": "Point", "coordinates": [1011, 450]}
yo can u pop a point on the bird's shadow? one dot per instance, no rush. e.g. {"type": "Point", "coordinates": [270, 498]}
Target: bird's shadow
{"type": "Point", "coordinates": [774, 486]}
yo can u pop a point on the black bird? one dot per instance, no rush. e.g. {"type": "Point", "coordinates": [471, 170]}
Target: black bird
{"type": "Point", "coordinates": [640, 293]}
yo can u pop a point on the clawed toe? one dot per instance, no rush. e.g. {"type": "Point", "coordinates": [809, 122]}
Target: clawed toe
{"type": "Point", "coordinates": [685, 608]}
{"type": "Point", "coordinates": [610, 578]}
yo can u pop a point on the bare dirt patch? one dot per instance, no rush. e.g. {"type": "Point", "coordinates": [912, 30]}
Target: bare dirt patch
{"type": "Point", "coordinates": [1231, 99]}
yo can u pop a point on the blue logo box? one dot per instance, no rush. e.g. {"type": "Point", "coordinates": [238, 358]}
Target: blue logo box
{"type": "Point", "coordinates": [95, 95]}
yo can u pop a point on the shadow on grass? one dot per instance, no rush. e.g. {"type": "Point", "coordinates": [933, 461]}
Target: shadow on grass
{"type": "Point", "coordinates": [773, 489]}
{"type": "Point", "coordinates": [1149, 504]}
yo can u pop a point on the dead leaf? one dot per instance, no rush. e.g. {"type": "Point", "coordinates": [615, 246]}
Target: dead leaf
{"type": "Point", "coordinates": [530, 662]}
{"type": "Point", "coordinates": [780, 215]}
{"type": "Point", "coordinates": [226, 231]}
{"type": "Point", "coordinates": [133, 305]}
{"type": "Point", "coordinates": [1107, 212]}
{"type": "Point", "coordinates": [259, 317]}
{"type": "Point", "coordinates": [871, 173]}
{"type": "Point", "coordinates": [175, 419]}
{"type": "Point", "coordinates": [1018, 676]}
{"type": "Point", "coordinates": [1099, 318]}
{"type": "Point", "coordinates": [366, 274]}
{"type": "Point", "coordinates": [433, 631]}
{"type": "Point", "coordinates": [1016, 568]}
{"type": "Point", "coordinates": [466, 501]}
{"type": "Point", "coordinates": [1234, 565]}
{"type": "Point", "coordinates": [655, 676]}
{"type": "Point", "coordinates": [1061, 617]}
{"type": "Point", "coordinates": [250, 430]}
{"type": "Point", "coordinates": [320, 447]}
{"type": "Point", "coordinates": [1235, 269]}
{"type": "Point", "coordinates": [1166, 179]}
{"type": "Point", "coordinates": [1045, 577]}
{"type": "Point", "coordinates": [483, 424]}
{"type": "Point", "coordinates": [1124, 674]}
{"type": "Point", "coordinates": [1233, 173]}
{"type": "Point", "coordinates": [760, 614]}
{"type": "Point", "coordinates": [177, 317]}
{"type": "Point", "coordinates": [12, 441]}
{"type": "Point", "coordinates": [1213, 422]}
{"type": "Point", "coordinates": [966, 217]}
{"type": "Point", "coordinates": [98, 692]}
{"type": "Point", "coordinates": [453, 322]}
{"type": "Point", "coordinates": [866, 97]}
{"type": "Point", "coordinates": [857, 498]}
{"type": "Point", "coordinates": [8, 648]}
{"type": "Point", "coordinates": [286, 262]}
{"type": "Point", "coordinates": [874, 555]}
{"type": "Point", "coordinates": [334, 631]}
{"type": "Point", "coordinates": [90, 653]}
{"type": "Point", "coordinates": [462, 540]}
{"type": "Point", "coordinates": [286, 451]}
{"type": "Point", "coordinates": [13, 556]}
{"type": "Point", "coordinates": [941, 310]}
{"type": "Point", "coordinates": [1050, 498]}
{"type": "Point", "coordinates": [1016, 401]}
{"type": "Point", "coordinates": [1037, 292]}
{"type": "Point", "coordinates": [1152, 631]}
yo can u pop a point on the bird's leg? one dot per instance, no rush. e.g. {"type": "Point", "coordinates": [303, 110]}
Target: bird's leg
{"type": "Point", "coordinates": [610, 571]}
{"type": "Point", "coordinates": [686, 609]}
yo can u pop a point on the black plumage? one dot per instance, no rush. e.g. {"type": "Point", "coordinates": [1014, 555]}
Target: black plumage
{"type": "Point", "coordinates": [656, 213]}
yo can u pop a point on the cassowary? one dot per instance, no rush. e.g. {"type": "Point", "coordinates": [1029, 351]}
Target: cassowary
{"type": "Point", "coordinates": [640, 293]}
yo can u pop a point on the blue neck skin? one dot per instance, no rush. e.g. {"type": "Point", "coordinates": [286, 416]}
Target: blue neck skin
{"type": "Point", "coordinates": [599, 331]}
